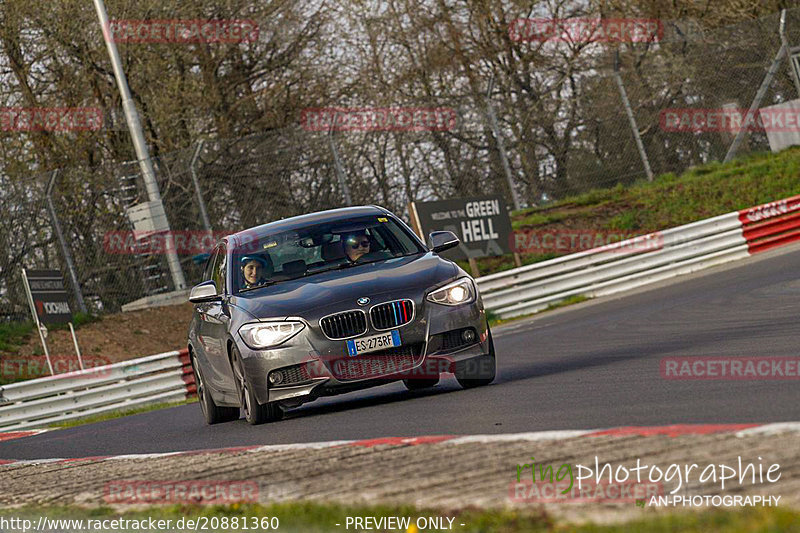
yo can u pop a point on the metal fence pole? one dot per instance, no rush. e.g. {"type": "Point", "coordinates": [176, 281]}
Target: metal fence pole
{"type": "Point", "coordinates": [785, 43]}
{"type": "Point", "coordinates": [631, 119]}
{"type": "Point", "coordinates": [338, 164]}
{"type": "Point", "coordinates": [200, 201]}
{"type": "Point", "coordinates": [762, 90]}
{"type": "Point", "coordinates": [500, 147]}
{"type": "Point", "coordinates": [139, 144]}
{"type": "Point", "coordinates": [73, 276]}
{"type": "Point", "coordinates": [41, 328]}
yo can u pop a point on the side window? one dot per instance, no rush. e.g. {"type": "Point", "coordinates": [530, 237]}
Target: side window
{"type": "Point", "coordinates": [218, 270]}
{"type": "Point", "coordinates": [378, 240]}
{"type": "Point", "coordinates": [396, 234]}
{"type": "Point", "coordinates": [209, 268]}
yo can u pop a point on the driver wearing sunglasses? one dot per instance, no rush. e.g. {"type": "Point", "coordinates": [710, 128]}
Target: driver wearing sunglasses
{"type": "Point", "coordinates": [356, 245]}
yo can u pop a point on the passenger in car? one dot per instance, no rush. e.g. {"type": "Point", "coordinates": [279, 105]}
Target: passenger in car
{"type": "Point", "coordinates": [256, 270]}
{"type": "Point", "coordinates": [356, 245]}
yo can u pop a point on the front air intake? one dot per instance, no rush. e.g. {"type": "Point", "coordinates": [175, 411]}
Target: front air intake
{"type": "Point", "coordinates": [392, 314]}
{"type": "Point", "coordinates": [344, 325]}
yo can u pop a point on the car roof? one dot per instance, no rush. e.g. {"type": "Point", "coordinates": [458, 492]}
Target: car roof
{"type": "Point", "coordinates": [301, 221]}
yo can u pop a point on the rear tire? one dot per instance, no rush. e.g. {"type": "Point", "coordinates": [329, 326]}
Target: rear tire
{"type": "Point", "coordinates": [419, 384]}
{"type": "Point", "coordinates": [479, 371]}
{"type": "Point", "coordinates": [213, 413]}
{"type": "Point", "coordinates": [255, 413]}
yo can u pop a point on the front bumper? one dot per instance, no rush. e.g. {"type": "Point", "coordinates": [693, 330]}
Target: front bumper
{"type": "Point", "coordinates": [327, 369]}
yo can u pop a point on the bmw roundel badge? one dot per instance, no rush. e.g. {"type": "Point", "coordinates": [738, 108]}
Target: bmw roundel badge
{"type": "Point", "coordinates": [363, 300]}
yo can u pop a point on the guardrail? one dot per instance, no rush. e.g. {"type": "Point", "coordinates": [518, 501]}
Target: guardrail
{"type": "Point", "coordinates": [164, 377]}
{"type": "Point", "coordinates": [642, 260]}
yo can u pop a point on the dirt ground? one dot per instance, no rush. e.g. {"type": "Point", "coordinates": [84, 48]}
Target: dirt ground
{"type": "Point", "coordinates": [116, 337]}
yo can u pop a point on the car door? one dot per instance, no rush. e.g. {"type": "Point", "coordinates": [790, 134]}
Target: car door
{"type": "Point", "coordinates": [214, 326]}
{"type": "Point", "coordinates": [201, 310]}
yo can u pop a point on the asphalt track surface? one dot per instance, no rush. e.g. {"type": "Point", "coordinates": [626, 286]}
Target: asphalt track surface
{"type": "Point", "coordinates": [596, 365]}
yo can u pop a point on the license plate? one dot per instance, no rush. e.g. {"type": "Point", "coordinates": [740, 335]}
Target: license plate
{"type": "Point", "coordinates": [373, 343]}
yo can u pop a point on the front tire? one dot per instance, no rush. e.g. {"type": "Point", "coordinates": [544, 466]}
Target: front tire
{"type": "Point", "coordinates": [255, 413]}
{"type": "Point", "coordinates": [479, 371]}
{"type": "Point", "coordinates": [213, 413]}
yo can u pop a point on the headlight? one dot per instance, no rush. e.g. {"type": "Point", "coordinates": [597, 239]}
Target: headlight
{"type": "Point", "coordinates": [459, 292]}
{"type": "Point", "coordinates": [260, 335]}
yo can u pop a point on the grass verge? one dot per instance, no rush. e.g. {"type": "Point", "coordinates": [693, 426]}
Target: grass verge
{"type": "Point", "coordinates": [495, 320]}
{"type": "Point", "coordinates": [14, 334]}
{"type": "Point", "coordinates": [78, 319]}
{"type": "Point", "coordinates": [668, 201]}
{"type": "Point", "coordinates": [91, 419]}
{"type": "Point", "coordinates": [313, 518]}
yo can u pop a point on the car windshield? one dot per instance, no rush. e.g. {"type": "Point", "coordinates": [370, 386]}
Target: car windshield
{"type": "Point", "coordinates": [281, 256]}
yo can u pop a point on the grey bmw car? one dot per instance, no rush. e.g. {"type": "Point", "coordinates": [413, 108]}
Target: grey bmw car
{"type": "Point", "coordinates": [328, 303]}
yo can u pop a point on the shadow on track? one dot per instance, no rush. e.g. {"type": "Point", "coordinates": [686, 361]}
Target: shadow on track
{"type": "Point", "coordinates": [695, 341]}
{"type": "Point", "coordinates": [342, 403]}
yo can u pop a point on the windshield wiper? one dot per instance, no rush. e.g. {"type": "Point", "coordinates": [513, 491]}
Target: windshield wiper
{"type": "Point", "coordinates": [341, 266]}
{"type": "Point", "coordinates": [350, 264]}
{"type": "Point", "coordinates": [267, 284]}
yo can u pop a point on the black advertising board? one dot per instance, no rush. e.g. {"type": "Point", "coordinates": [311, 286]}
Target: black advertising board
{"type": "Point", "coordinates": [481, 223]}
{"type": "Point", "coordinates": [49, 296]}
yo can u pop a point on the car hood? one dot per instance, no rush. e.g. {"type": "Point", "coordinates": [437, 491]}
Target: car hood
{"type": "Point", "coordinates": [331, 291]}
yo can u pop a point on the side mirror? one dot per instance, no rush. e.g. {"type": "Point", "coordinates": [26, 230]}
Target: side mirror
{"type": "Point", "coordinates": [442, 240]}
{"type": "Point", "coordinates": [204, 292]}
